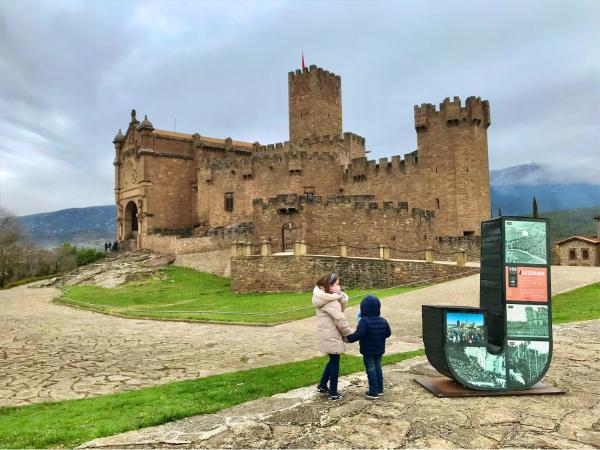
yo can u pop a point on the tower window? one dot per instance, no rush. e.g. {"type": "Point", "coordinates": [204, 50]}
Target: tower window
{"type": "Point", "coordinates": [229, 201]}
{"type": "Point", "coordinates": [437, 203]}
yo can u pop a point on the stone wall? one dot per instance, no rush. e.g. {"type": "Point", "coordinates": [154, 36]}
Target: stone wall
{"type": "Point", "coordinates": [182, 245]}
{"type": "Point", "coordinates": [217, 262]}
{"type": "Point", "coordinates": [445, 248]}
{"type": "Point", "coordinates": [361, 222]}
{"type": "Point", "coordinates": [577, 245]}
{"type": "Point", "coordinates": [299, 273]}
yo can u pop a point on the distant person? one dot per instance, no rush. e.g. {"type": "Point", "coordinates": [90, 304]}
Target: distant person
{"type": "Point", "coordinates": [115, 246]}
{"type": "Point", "coordinates": [106, 246]}
{"type": "Point", "coordinates": [371, 333]}
{"type": "Point", "coordinates": [110, 247]}
{"type": "Point", "coordinates": [332, 325]}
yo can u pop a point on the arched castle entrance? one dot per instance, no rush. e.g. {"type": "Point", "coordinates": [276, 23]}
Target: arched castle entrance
{"type": "Point", "coordinates": [289, 235]}
{"type": "Point", "coordinates": [130, 221]}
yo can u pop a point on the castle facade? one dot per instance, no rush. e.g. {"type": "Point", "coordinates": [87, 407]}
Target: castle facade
{"type": "Point", "coordinates": [319, 186]}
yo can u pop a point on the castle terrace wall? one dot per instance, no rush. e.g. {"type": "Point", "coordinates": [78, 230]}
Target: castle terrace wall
{"type": "Point", "coordinates": [217, 262]}
{"type": "Point", "coordinates": [181, 245]}
{"type": "Point", "coordinates": [299, 273]}
{"type": "Point", "coordinates": [361, 222]}
{"type": "Point", "coordinates": [445, 248]}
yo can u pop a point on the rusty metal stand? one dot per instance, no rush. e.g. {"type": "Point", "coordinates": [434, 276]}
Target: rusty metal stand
{"type": "Point", "coordinates": [446, 387]}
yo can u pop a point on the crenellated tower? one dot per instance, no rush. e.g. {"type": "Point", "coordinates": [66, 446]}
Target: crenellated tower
{"type": "Point", "coordinates": [453, 163]}
{"type": "Point", "coordinates": [315, 103]}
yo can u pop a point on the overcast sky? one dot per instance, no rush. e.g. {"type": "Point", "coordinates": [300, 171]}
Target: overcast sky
{"type": "Point", "coordinates": [70, 72]}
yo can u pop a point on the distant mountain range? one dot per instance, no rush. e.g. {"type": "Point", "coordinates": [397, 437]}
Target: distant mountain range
{"type": "Point", "coordinates": [91, 226]}
{"type": "Point", "coordinates": [512, 190]}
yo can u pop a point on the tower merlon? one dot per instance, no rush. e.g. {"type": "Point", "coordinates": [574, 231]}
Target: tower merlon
{"type": "Point", "coordinates": [475, 112]}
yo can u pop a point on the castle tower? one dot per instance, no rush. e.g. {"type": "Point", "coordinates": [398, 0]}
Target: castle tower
{"type": "Point", "coordinates": [315, 103]}
{"type": "Point", "coordinates": [453, 163]}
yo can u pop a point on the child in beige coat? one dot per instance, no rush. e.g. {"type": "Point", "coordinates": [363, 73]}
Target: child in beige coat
{"type": "Point", "coordinates": [332, 327]}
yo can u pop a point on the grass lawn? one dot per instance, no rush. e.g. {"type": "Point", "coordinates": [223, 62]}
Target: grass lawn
{"type": "Point", "coordinates": [185, 291]}
{"type": "Point", "coordinates": [70, 423]}
{"type": "Point", "coordinates": [576, 305]}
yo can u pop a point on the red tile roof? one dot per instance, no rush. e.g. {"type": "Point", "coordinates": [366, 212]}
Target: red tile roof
{"type": "Point", "coordinates": [588, 239]}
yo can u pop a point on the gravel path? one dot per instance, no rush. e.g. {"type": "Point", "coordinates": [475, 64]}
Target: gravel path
{"type": "Point", "coordinates": [407, 416]}
{"type": "Point", "coordinates": [51, 352]}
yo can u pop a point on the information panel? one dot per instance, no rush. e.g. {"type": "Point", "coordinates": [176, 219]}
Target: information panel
{"type": "Point", "coordinates": [505, 344]}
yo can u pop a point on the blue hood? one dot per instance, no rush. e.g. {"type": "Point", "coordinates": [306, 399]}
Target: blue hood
{"type": "Point", "coordinates": [370, 306]}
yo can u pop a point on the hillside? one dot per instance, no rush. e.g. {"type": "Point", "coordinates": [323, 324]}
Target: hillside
{"type": "Point", "coordinates": [90, 226]}
{"type": "Point", "coordinates": [572, 222]}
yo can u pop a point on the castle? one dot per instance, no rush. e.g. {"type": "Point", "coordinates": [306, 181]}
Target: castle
{"type": "Point", "coordinates": [192, 193]}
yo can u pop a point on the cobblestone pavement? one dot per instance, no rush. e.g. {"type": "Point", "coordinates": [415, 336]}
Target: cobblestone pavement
{"type": "Point", "coordinates": [407, 415]}
{"type": "Point", "coordinates": [51, 352]}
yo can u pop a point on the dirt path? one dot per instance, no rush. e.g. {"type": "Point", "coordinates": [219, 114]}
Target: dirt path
{"type": "Point", "coordinates": [51, 352]}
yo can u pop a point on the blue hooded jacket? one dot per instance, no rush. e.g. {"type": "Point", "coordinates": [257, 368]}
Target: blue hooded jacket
{"type": "Point", "coordinates": [372, 330]}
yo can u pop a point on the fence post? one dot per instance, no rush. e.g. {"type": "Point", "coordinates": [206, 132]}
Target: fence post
{"type": "Point", "coordinates": [265, 248]}
{"type": "Point", "coordinates": [429, 255]}
{"type": "Point", "coordinates": [384, 252]}
{"type": "Point", "coordinates": [343, 250]}
{"type": "Point", "coordinates": [461, 257]}
{"type": "Point", "coordinates": [297, 248]}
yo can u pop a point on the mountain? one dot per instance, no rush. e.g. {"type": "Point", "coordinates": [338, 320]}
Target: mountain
{"type": "Point", "coordinates": [90, 226]}
{"type": "Point", "coordinates": [512, 189]}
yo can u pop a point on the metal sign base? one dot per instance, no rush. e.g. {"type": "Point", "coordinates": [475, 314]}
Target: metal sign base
{"type": "Point", "coordinates": [446, 387]}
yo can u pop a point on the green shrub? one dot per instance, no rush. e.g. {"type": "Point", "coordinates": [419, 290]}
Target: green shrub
{"type": "Point", "coordinates": [87, 255]}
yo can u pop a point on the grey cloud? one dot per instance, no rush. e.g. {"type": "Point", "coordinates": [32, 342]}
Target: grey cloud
{"type": "Point", "coordinates": [73, 70]}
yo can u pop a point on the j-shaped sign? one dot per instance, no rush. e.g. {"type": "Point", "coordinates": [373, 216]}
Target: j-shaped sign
{"type": "Point", "coordinates": [506, 343]}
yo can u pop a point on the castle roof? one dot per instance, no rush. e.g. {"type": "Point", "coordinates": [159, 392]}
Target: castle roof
{"type": "Point", "coordinates": [208, 140]}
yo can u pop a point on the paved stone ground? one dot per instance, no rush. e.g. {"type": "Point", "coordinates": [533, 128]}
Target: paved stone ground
{"type": "Point", "coordinates": [407, 415]}
{"type": "Point", "coordinates": [51, 352]}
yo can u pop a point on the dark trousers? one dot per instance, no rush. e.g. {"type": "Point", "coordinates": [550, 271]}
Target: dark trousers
{"type": "Point", "coordinates": [331, 373]}
{"type": "Point", "coordinates": [374, 373]}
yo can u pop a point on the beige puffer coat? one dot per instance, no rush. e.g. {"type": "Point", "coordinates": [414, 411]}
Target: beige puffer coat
{"type": "Point", "coordinates": [331, 322]}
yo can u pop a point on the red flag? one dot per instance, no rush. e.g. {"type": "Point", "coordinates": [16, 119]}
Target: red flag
{"type": "Point", "coordinates": [302, 60]}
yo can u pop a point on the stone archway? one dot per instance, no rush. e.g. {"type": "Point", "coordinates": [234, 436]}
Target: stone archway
{"type": "Point", "coordinates": [130, 221]}
{"type": "Point", "coordinates": [289, 235]}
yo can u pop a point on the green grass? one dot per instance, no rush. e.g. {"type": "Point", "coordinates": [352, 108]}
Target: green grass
{"type": "Point", "coordinates": [70, 423]}
{"type": "Point", "coordinates": [576, 305]}
{"type": "Point", "coordinates": [186, 290]}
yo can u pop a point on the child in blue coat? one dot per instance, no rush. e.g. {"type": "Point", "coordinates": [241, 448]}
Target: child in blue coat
{"type": "Point", "coordinates": [372, 331]}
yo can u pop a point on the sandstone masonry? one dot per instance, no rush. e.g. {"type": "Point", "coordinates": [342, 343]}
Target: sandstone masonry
{"type": "Point", "coordinates": [187, 193]}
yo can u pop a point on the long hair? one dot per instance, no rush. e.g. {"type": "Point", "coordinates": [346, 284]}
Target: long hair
{"type": "Point", "coordinates": [326, 281]}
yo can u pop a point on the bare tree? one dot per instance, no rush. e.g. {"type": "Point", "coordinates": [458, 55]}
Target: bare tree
{"type": "Point", "coordinates": [11, 234]}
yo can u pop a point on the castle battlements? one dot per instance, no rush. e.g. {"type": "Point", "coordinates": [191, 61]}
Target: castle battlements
{"type": "Point", "coordinates": [362, 168]}
{"type": "Point", "coordinates": [180, 181]}
{"type": "Point", "coordinates": [287, 146]}
{"type": "Point", "coordinates": [296, 202]}
{"type": "Point", "coordinates": [476, 112]}
{"type": "Point", "coordinates": [314, 71]}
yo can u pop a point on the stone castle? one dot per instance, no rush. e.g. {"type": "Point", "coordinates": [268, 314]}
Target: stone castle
{"type": "Point", "coordinates": [190, 193]}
